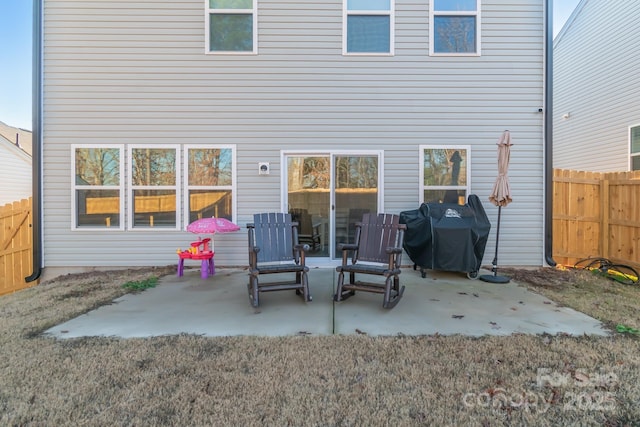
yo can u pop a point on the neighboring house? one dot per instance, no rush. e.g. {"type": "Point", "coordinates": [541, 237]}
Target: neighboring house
{"type": "Point", "coordinates": [596, 100]}
{"type": "Point", "coordinates": [155, 114]}
{"type": "Point", "coordinates": [15, 164]}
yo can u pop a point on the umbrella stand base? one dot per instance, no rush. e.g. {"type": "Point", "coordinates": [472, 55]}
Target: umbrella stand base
{"type": "Point", "coordinates": [494, 279]}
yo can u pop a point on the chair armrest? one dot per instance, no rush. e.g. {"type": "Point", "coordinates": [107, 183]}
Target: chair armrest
{"type": "Point", "coordinates": [395, 257]}
{"type": "Point", "coordinates": [302, 247]}
{"type": "Point", "coordinates": [253, 257]}
{"type": "Point", "coordinates": [347, 247]}
{"type": "Point", "coordinates": [299, 251]}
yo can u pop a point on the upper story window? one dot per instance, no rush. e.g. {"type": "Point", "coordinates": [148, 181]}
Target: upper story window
{"type": "Point", "coordinates": [454, 27]}
{"type": "Point", "coordinates": [209, 182]}
{"type": "Point", "coordinates": [231, 26]}
{"type": "Point", "coordinates": [98, 187]}
{"type": "Point", "coordinates": [444, 174]}
{"type": "Point", "coordinates": [368, 27]}
{"type": "Point", "coordinates": [634, 136]}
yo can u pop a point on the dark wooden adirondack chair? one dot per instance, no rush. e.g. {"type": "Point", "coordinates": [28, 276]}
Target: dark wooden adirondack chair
{"type": "Point", "coordinates": [274, 248]}
{"type": "Point", "coordinates": [377, 251]}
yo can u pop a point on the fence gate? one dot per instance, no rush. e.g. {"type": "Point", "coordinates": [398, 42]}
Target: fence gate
{"type": "Point", "coordinates": [15, 246]}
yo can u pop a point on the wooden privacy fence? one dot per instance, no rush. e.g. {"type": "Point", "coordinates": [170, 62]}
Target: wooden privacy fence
{"type": "Point", "coordinates": [596, 215]}
{"type": "Point", "coordinates": [16, 246]}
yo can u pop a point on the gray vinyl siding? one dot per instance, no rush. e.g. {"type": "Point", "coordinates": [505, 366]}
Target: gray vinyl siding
{"type": "Point", "coordinates": [596, 82]}
{"type": "Point", "coordinates": [15, 173]}
{"type": "Point", "coordinates": [135, 72]}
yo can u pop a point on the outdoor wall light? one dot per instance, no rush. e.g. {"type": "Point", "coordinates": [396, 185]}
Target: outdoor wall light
{"type": "Point", "coordinates": [566, 116]}
{"type": "Point", "coordinates": [263, 168]}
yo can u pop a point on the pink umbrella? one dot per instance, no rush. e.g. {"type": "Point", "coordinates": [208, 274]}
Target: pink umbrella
{"type": "Point", "coordinates": [212, 226]}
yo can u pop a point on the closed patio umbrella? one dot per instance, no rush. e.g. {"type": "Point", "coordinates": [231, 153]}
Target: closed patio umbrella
{"type": "Point", "coordinates": [500, 196]}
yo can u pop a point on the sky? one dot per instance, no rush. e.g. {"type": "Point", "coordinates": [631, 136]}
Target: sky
{"type": "Point", "coordinates": [16, 46]}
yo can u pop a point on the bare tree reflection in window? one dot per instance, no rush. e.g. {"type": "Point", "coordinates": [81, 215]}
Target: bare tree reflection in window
{"type": "Point", "coordinates": [154, 166]}
{"type": "Point", "coordinates": [97, 166]}
{"type": "Point", "coordinates": [455, 34]}
{"type": "Point", "coordinates": [357, 172]}
{"type": "Point", "coordinates": [210, 166]}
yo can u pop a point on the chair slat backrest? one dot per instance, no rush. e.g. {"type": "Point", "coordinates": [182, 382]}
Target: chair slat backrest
{"type": "Point", "coordinates": [377, 233]}
{"type": "Point", "coordinates": [275, 236]}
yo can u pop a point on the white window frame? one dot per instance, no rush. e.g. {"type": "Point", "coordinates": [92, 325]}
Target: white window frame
{"type": "Point", "coordinates": [210, 11]}
{"type": "Point", "coordinates": [631, 153]}
{"type": "Point", "coordinates": [433, 13]}
{"type": "Point", "coordinates": [131, 188]}
{"type": "Point", "coordinates": [391, 13]}
{"type": "Point", "coordinates": [75, 187]}
{"type": "Point", "coordinates": [187, 187]}
{"type": "Point", "coordinates": [423, 187]}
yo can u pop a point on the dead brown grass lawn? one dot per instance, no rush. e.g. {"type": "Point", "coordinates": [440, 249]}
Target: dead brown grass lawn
{"type": "Point", "coordinates": [316, 381]}
{"type": "Point", "coordinates": [585, 291]}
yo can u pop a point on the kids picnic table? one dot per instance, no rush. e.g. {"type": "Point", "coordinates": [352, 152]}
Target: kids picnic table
{"type": "Point", "coordinates": [198, 250]}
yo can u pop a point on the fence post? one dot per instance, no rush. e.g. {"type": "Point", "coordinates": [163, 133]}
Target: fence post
{"type": "Point", "coordinates": [604, 216]}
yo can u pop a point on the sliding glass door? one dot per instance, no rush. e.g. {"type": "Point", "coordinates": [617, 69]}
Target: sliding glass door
{"type": "Point", "coordinates": [327, 193]}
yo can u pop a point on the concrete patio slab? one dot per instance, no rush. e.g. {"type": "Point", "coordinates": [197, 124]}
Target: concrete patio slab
{"type": "Point", "coordinates": [449, 303]}
{"type": "Point", "coordinates": [443, 303]}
